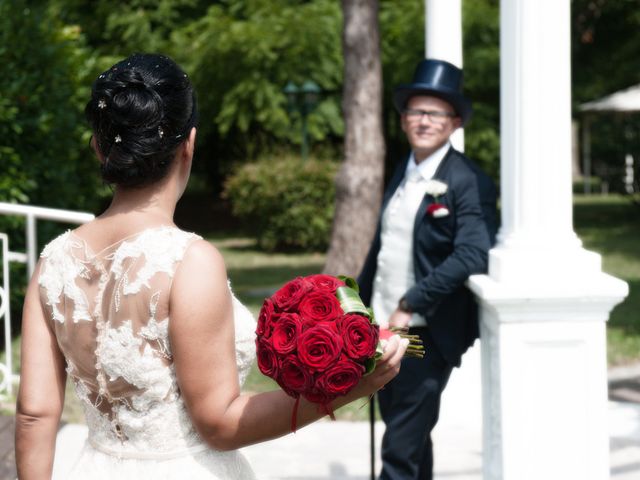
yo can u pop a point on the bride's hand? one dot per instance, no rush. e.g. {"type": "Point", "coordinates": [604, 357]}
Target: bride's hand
{"type": "Point", "coordinates": [387, 367]}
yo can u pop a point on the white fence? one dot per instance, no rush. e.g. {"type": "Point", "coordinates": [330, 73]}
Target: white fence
{"type": "Point", "coordinates": [32, 215]}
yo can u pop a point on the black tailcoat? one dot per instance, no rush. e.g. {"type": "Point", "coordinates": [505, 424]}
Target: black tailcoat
{"type": "Point", "coordinates": [446, 251]}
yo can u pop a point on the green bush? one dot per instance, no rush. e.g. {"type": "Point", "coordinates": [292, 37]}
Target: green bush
{"type": "Point", "coordinates": [285, 203]}
{"type": "Point", "coordinates": [595, 184]}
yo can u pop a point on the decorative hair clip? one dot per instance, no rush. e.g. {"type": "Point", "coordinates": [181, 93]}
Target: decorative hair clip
{"type": "Point", "coordinates": [179, 135]}
{"type": "Point", "coordinates": [101, 76]}
{"type": "Point", "coordinates": [102, 104]}
{"type": "Point", "coordinates": [160, 132]}
{"type": "Point", "coordinates": [118, 139]}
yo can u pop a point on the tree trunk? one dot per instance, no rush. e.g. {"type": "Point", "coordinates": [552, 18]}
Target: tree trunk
{"type": "Point", "coordinates": [359, 181]}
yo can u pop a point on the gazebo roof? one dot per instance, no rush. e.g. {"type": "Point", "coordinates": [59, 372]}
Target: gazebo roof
{"type": "Point", "coordinates": [627, 100]}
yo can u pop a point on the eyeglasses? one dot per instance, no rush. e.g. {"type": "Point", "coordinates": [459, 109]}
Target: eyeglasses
{"type": "Point", "coordinates": [433, 115]}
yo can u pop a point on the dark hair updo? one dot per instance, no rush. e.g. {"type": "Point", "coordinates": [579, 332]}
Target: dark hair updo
{"type": "Point", "coordinates": [140, 110]}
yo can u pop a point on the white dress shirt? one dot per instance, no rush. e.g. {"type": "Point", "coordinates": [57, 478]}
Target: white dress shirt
{"type": "Point", "coordinates": [395, 271]}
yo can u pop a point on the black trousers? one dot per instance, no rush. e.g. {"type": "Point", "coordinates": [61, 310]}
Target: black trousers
{"type": "Point", "coordinates": [410, 405]}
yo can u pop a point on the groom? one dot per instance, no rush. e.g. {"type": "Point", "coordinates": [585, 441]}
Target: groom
{"type": "Point", "coordinates": [437, 223]}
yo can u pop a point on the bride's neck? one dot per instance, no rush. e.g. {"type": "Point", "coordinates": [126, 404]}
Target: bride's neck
{"type": "Point", "coordinates": [155, 201]}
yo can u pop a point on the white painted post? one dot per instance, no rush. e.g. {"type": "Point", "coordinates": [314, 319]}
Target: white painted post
{"type": "Point", "coordinates": [32, 244]}
{"type": "Point", "coordinates": [545, 301]}
{"type": "Point", "coordinates": [443, 40]}
{"type": "Point", "coordinates": [6, 384]}
{"type": "Point", "coordinates": [586, 153]}
{"type": "Point", "coordinates": [628, 173]}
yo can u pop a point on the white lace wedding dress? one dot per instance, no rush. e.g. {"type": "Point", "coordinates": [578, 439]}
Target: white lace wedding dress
{"type": "Point", "coordinates": [110, 314]}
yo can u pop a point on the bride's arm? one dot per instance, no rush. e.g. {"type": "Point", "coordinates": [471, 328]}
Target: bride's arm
{"type": "Point", "coordinates": [41, 393]}
{"type": "Point", "coordinates": [202, 341]}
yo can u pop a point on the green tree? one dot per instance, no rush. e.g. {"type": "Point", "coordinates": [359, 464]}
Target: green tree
{"type": "Point", "coordinates": [44, 156]}
{"type": "Point", "coordinates": [359, 183]}
{"type": "Point", "coordinates": [481, 24]}
{"type": "Point", "coordinates": [605, 46]}
{"type": "Point", "coordinates": [241, 54]}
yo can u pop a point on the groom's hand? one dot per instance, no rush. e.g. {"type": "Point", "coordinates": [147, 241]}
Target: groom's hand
{"type": "Point", "coordinates": [399, 318]}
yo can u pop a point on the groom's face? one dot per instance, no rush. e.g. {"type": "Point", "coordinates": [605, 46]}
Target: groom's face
{"type": "Point", "coordinates": [428, 123]}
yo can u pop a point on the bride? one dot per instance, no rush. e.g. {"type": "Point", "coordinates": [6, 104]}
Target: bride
{"type": "Point", "coordinates": [140, 316]}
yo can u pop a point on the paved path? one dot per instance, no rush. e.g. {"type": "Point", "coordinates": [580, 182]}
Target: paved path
{"type": "Point", "coordinates": [7, 455]}
{"type": "Point", "coordinates": [340, 450]}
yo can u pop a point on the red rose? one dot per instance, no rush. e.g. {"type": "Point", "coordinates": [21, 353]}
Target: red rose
{"type": "Point", "coordinates": [288, 297]}
{"type": "Point", "coordinates": [294, 377]}
{"type": "Point", "coordinates": [285, 333]}
{"type": "Point", "coordinates": [340, 378]}
{"type": "Point", "coordinates": [267, 360]}
{"type": "Point", "coordinates": [266, 319]}
{"type": "Point", "coordinates": [319, 346]}
{"type": "Point", "coordinates": [325, 282]}
{"type": "Point", "coordinates": [360, 337]}
{"type": "Point", "coordinates": [320, 306]}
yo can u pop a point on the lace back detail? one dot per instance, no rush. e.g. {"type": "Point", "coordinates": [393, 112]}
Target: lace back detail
{"type": "Point", "coordinates": [110, 312]}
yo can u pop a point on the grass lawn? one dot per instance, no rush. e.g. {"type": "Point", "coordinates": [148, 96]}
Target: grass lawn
{"type": "Point", "coordinates": [608, 225]}
{"type": "Point", "coordinates": [611, 226]}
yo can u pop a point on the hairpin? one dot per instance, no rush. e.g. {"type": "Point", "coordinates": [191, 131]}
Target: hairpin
{"type": "Point", "coordinates": [101, 76]}
{"type": "Point", "coordinates": [102, 104]}
{"type": "Point", "coordinates": [118, 139]}
{"type": "Point", "coordinates": [160, 132]}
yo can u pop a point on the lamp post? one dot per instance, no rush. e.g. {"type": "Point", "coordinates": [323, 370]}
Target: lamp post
{"type": "Point", "coordinates": [303, 99]}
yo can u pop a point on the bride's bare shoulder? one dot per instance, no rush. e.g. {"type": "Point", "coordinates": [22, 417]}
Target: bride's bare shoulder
{"type": "Point", "coordinates": [202, 262]}
{"type": "Point", "coordinates": [202, 250]}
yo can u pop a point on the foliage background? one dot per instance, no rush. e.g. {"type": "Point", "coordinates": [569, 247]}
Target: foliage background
{"type": "Point", "coordinates": [240, 54]}
{"type": "Point", "coordinates": [285, 205]}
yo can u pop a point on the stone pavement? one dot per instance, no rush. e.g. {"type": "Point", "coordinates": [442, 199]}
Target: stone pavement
{"type": "Point", "coordinates": [340, 450]}
{"type": "Point", "coordinates": [7, 455]}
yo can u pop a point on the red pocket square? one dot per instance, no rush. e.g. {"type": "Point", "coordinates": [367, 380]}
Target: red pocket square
{"type": "Point", "coordinates": [437, 210]}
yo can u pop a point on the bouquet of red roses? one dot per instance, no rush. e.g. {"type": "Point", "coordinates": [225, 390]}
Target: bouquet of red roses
{"type": "Point", "coordinates": [316, 338]}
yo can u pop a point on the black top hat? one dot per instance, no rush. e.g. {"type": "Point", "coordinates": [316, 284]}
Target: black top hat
{"type": "Point", "coordinates": [436, 78]}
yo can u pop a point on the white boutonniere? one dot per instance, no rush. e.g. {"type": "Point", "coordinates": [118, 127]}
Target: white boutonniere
{"type": "Point", "coordinates": [436, 188]}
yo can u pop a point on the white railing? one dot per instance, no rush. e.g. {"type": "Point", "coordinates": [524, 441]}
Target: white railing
{"type": "Point", "coordinates": [32, 215]}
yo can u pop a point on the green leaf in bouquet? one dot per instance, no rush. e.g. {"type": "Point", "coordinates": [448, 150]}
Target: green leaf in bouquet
{"type": "Point", "coordinates": [350, 282]}
{"type": "Point", "coordinates": [372, 317]}
{"type": "Point", "coordinates": [370, 365]}
{"type": "Point", "coordinates": [351, 301]}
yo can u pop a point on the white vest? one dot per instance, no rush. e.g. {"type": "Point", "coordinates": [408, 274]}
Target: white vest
{"type": "Point", "coordinates": [395, 271]}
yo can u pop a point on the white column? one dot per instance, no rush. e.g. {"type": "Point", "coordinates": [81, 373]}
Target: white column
{"type": "Point", "coordinates": [545, 301]}
{"type": "Point", "coordinates": [443, 40]}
